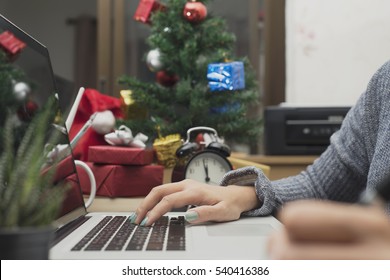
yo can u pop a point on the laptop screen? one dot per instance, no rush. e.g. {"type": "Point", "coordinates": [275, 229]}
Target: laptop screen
{"type": "Point", "coordinates": [29, 86]}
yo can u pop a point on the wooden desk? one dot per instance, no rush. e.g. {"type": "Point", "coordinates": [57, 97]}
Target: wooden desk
{"type": "Point", "coordinates": [281, 166]}
{"type": "Point", "coordinates": [120, 204]}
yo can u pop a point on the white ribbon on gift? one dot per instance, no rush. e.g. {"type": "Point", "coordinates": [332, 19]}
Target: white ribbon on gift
{"type": "Point", "coordinates": [124, 137]}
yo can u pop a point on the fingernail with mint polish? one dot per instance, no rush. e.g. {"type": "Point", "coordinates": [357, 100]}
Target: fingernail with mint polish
{"type": "Point", "coordinates": [191, 216]}
{"type": "Point", "coordinates": [144, 221]}
{"type": "Point", "coordinates": [132, 218]}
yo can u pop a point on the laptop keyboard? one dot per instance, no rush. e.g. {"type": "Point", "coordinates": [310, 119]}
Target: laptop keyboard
{"type": "Point", "coordinates": [117, 234]}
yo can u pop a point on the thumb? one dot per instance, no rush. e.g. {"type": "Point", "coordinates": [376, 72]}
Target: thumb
{"type": "Point", "coordinates": [208, 213]}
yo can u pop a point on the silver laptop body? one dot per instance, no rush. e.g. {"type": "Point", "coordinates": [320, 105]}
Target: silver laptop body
{"type": "Point", "coordinates": [242, 239]}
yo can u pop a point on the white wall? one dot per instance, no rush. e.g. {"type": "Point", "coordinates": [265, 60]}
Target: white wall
{"type": "Point", "coordinates": [333, 47]}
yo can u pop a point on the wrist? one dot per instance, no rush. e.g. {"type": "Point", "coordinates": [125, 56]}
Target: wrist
{"type": "Point", "coordinates": [246, 198]}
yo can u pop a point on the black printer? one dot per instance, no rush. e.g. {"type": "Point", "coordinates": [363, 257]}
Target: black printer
{"type": "Point", "coordinates": [300, 130]}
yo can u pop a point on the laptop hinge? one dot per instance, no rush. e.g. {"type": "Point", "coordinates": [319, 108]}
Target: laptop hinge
{"type": "Point", "coordinates": [67, 229]}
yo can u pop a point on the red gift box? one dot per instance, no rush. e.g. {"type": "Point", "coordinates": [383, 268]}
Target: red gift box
{"type": "Point", "coordinates": [146, 8]}
{"type": "Point", "coordinates": [12, 45]}
{"type": "Point", "coordinates": [122, 180]}
{"type": "Point", "coordinates": [72, 196]}
{"type": "Point", "coordinates": [120, 155]}
{"type": "Point", "coordinates": [64, 170]}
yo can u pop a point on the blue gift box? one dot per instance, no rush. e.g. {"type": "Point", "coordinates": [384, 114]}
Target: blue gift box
{"type": "Point", "coordinates": [229, 108]}
{"type": "Point", "coordinates": [226, 76]}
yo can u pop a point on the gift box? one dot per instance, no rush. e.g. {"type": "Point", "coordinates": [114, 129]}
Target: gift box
{"type": "Point", "coordinates": [226, 109]}
{"type": "Point", "coordinates": [226, 76]}
{"type": "Point", "coordinates": [72, 196]}
{"type": "Point", "coordinates": [10, 44]}
{"type": "Point", "coordinates": [120, 155]}
{"type": "Point", "coordinates": [62, 169]}
{"type": "Point", "coordinates": [145, 10]}
{"type": "Point", "coordinates": [122, 180]}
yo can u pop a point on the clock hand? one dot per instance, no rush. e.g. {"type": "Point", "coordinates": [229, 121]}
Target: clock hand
{"type": "Point", "coordinates": [206, 169]}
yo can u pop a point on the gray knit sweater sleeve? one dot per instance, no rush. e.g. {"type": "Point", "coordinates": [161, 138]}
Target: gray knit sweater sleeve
{"type": "Point", "coordinates": [357, 158]}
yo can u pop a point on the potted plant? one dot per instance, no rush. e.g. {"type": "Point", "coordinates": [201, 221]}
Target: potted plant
{"type": "Point", "coordinates": [29, 199]}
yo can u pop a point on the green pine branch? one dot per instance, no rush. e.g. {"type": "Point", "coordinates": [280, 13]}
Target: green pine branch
{"type": "Point", "coordinates": [28, 197]}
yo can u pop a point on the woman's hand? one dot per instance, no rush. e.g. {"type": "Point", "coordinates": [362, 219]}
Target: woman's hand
{"type": "Point", "coordinates": [214, 203]}
{"type": "Point", "coordinates": [329, 230]}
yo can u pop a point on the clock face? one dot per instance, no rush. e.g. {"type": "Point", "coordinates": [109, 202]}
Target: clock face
{"type": "Point", "coordinates": [207, 167]}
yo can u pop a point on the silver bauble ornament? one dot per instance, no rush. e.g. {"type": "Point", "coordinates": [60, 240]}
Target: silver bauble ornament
{"type": "Point", "coordinates": [21, 91]}
{"type": "Point", "coordinates": [153, 60]}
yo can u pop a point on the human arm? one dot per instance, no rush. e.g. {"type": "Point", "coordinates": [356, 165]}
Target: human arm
{"type": "Point", "coordinates": [333, 169]}
{"type": "Point", "coordinates": [214, 203]}
{"type": "Point", "coordinates": [357, 156]}
{"type": "Point", "coordinates": [330, 230]}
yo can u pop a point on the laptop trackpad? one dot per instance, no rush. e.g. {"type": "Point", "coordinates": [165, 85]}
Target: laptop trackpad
{"type": "Point", "coordinates": [239, 230]}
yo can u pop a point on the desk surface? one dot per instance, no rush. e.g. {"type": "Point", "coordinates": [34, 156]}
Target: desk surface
{"type": "Point", "coordinates": [277, 160]}
{"type": "Point", "coordinates": [280, 166]}
{"type": "Point", "coordinates": [120, 204]}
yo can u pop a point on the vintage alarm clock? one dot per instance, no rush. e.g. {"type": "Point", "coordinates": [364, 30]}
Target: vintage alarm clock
{"type": "Point", "coordinates": [204, 162]}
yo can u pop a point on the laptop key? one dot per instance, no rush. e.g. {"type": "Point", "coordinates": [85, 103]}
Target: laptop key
{"type": "Point", "coordinates": [176, 234]}
{"type": "Point", "coordinates": [138, 240]}
{"type": "Point", "coordinates": [121, 237]}
{"type": "Point", "coordinates": [156, 241]}
{"type": "Point", "coordinates": [105, 234]}
{"type": "Point", "coordinates": [91, 234]}
{"type": "Point", "coordinates": [155, 236]}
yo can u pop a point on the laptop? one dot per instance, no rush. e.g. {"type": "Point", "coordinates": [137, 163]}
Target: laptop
{"type": "Point", "coordinates": [83, 235]}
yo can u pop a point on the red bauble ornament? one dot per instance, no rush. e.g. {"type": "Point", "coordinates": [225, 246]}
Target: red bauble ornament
{"type": "Point", "coordinates": [195, 11]}
{"type": "Point", "coordinates": [27, 111]}
{"type": "Point", "coordinates": [165, 79]}
{"type": "Point", "coordinates": [199, 139]}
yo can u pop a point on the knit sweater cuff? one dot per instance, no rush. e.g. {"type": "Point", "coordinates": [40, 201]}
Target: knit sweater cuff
{"type": "Point", "coordinates": [251, 176]}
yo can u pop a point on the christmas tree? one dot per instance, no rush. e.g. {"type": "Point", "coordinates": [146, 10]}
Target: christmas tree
{"type": "Point", "coordinates": [9, 103]}
{"type": "Point", "coordinates": [199, 81]}
{"type": "Point", "coordinates": [8, 76]}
